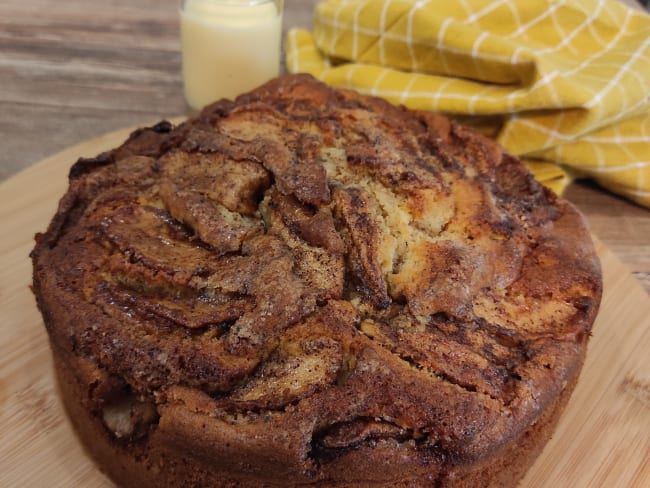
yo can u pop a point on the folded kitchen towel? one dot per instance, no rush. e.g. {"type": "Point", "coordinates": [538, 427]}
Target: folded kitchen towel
{"type": "Point", "coordinates": [563, 84]}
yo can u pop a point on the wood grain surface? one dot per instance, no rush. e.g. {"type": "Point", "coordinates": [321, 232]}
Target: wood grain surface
{"type": "Point", "coordinates": [74, 69]}
{"type": "Point", "coordinates": [603, 439]}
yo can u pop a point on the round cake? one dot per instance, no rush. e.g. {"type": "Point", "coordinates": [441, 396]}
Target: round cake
{"type": "Point", "coordinates": [307, 286]}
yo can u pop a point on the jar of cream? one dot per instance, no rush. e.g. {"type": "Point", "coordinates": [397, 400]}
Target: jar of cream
{"type": "Point", "coordinates": [228, 46]}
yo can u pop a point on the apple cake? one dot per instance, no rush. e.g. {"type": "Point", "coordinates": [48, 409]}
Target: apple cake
{"type": "Point", "coordinates": [309, 286]}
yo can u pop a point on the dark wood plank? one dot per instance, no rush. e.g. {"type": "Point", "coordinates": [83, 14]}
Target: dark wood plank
{"type": "Point", "coordinates": [31, 124]}
{"type": "Point", "coordinates": [74, 69]}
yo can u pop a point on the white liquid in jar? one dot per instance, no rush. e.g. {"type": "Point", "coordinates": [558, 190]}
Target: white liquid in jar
{"type": "Point", "coordinates": [229, 47]}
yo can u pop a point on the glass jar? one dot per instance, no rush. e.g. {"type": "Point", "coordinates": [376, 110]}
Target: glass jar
{"type": "Point", "coordinates": [228, 47]}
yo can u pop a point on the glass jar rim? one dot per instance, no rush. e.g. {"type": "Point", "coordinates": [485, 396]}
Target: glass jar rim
{"type": "Point", "coordinates": [250, 3]}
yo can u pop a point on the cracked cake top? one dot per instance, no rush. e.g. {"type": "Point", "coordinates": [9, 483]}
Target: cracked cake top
{"type": "Point", "coordinates": [311, 257]}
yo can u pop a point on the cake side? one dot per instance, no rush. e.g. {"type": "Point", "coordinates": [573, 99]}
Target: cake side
{"type": "Point", "coordinates": [310, 286]}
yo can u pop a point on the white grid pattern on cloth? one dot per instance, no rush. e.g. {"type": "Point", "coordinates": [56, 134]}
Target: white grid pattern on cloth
{"type": "Point", "coordinates": [554, 135]}
{"type": "Point", "coordinates": [597, 97]}
{"type": "Point", "coordinates": [595, 101]}
{"type": "Point", "coordinates": [349, 75]}
{"type": "Point", "coordinates": [589, 59]}
{"type": "Point", "coordinates": [374, 88]}
{"type": "Point", "coordinates": [596, 35]}
{"type": "Point", "coordinates": [475, 98]}
{"type": "Point", "coordinates": [335, 24]}
{"type": "Point", "coordinates": [557, 123]}
{"type": "Point", "coordinates": [396, 93]}
{"type": "Point", "coordinates": [546, 82]}
{"type": "Point", "coordinates": [355, 33]}
{"type": "Point", "coordinates": [468, 9]}
{"type": "Point", "coordinates": [617, 140]}
{"type": "Point", "coordinates": [620, 115]}
{"type": "Point", "coordinates": [476, 16]}
{"type": "Point", "coordinates": [600, 160]}
{"type": "Point", "coordinates": [566, 39]}
{"type": "Point", "coordinates": [296, 49]}
{"type": "Point", "coordinates": [439, 43]}
{"type": "Point", "coordinates": [382, 28]}
{"type": "Point", "coordinates": [515, 14]}
{"type": "Point", "coordinates": [407, 39]}
{"type": "Point", "coordinates": [575, 31]}
{"type": "Point", "coordinates": [514, 58]}
{"type": "Point", "coordinates": [476, 54]}
{"type": "Point", "coordinates": [435, 100]}
{"type": "Point", "coordinates": [631, 155]}
{"type": "Point", "coordinates": [403, 97]}
{"type": "Point", "coordinates": [409, 32]}
{"type": "Point", "coordinates": [603, 168]}
{"type": "Point", "coordinates": [525, 27]}
{"type": "Point", "coordinates": [593, 75]}
{"type": "Point", "coordinates": [558, 136]}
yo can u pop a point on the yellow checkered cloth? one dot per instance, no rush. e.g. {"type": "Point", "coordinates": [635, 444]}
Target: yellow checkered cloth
{"type": "Point", "coordinates": [563, 84]}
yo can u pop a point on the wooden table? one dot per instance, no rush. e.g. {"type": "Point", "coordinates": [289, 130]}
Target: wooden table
{"type": "Point", "coordinates": [74, 69]}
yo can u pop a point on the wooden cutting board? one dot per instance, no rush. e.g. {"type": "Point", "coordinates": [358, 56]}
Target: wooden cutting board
{"type": "Point", "coordinates": [603, 439]}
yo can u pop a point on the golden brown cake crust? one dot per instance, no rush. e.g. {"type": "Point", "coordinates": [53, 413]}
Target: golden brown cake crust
{"type": "Point", "coordinates": [309, 286]}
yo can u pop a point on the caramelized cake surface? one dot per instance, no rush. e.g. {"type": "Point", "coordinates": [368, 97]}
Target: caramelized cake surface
{"type": "Point", "coordinates": [310, 286]}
